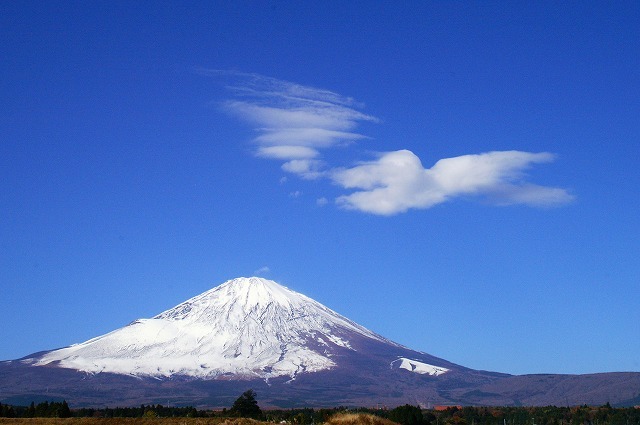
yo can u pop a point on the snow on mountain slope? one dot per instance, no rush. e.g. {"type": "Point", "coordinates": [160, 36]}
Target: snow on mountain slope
{"type": "Point", "coordinates": [418, 367]}
{"type": "Point", "coordinates": [246, 327]}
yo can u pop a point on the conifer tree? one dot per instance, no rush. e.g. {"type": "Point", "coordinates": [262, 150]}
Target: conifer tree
{"type": "Point", "coordinates": [406, 415]}
{"type": "Point", "coordinates": [246, 406]}
{"type": "Point", "coordinates": [31, 411]}
{"type": "Point", "coordinates": [64, 411]}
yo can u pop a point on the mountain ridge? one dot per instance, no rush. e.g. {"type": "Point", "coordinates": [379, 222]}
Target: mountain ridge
{"type": "Point", "coordinates": [255, 333]}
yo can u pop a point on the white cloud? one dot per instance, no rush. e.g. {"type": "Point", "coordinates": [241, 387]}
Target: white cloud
{"type": "Point", "coordinates": [298, 116]}
{"type": "Point", "coordinates": [295, 123]}
{"type": "Point", "coordinates": [397, 181]}
{"type": "Point", "coordinates": [321, 202]}
{"type": "Point", "coordinates": [316, 137]}
{"type": "Point", "coordinates": [262, 271]}
{"type": "Point", "coordinates": [287, 152]}
{"type": "Point", "coordinates": [309, 169]}
{"type": "Point", "coordinates": [531, 194]}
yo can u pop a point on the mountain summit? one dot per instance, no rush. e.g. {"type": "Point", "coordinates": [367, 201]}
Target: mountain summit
{"type": "Point", "coordinates": [246, 327]}
{"type": "Point", "coordinates": [294, 351]}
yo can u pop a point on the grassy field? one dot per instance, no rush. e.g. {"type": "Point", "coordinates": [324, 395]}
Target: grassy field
{"type": "Point", "coordinates": [358, 419]}
{"type": "Point", "coordinates": [129, 421]}
{"type": "Point", "coordinates": [340, 419]}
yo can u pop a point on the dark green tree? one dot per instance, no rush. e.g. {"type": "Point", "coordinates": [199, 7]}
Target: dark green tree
{"type": "Point", "coordinates": [407, 415]}
{"type": "Point", "coordinates": [246, 406]}
{"type": "Point", "coordinates": [6, 411]}
{"type": "Point", "coordinates": [42, 410]}
{"type": "Point", "coordinates": [63, 410]}
{"type": "Point", "coordinates": [31, 411]}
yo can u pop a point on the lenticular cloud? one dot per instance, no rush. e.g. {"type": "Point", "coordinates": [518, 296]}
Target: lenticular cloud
{"type": "Point", "coordinates": [296, 123]}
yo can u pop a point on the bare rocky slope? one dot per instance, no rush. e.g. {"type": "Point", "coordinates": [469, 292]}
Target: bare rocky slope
{"type": "Point", "coordinates": [255, 333]}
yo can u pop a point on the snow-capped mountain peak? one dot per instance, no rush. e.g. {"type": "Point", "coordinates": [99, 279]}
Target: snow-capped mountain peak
{"type": "Point", "coordinates": [244, 302]}
{"type": "Point", "coordinates": [247, 327]}
{"type": "Point", "coordinates": [243, 295]}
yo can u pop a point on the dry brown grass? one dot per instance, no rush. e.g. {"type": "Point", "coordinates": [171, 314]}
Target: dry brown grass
{"type": "Point", "coordinates": [339, 419]}
{"type": "Point", "coordinates": [241, 421]}
{"type": "Point", "coordinates": [131, 421]}
{"type": "Point", "coordinates": [358, 419]}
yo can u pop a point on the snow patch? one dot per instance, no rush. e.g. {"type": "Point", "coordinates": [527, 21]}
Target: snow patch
{"type": "Point", "coordinates": [418, 367]}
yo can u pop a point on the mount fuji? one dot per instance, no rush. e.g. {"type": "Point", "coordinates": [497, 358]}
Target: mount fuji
{"type": "Point", "coordinates": [246, 328]}
{"type": "Point", "coordinates": [255, 333]}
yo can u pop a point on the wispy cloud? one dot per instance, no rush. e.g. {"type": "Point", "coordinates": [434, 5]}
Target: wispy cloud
{"type": "Point", "coordinates": [321, 202]}
{"type": "Point", "coordinates": [264, 270]}
{"type": "Point", "coordinates": [295, 123]}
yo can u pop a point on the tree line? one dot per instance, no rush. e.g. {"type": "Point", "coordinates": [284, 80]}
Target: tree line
{"type": "Point", "coordinates": [549, 415]}
{"type": "Point", "coordinates": [41, 410]}
{"type": "Point", "coordinates": [247, 406]}
{"type": "Point", "coordinates": [61, 410]}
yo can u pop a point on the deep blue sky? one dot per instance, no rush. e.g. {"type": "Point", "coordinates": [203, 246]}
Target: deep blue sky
{"type": "Point", "coordinates": [151, 151]}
